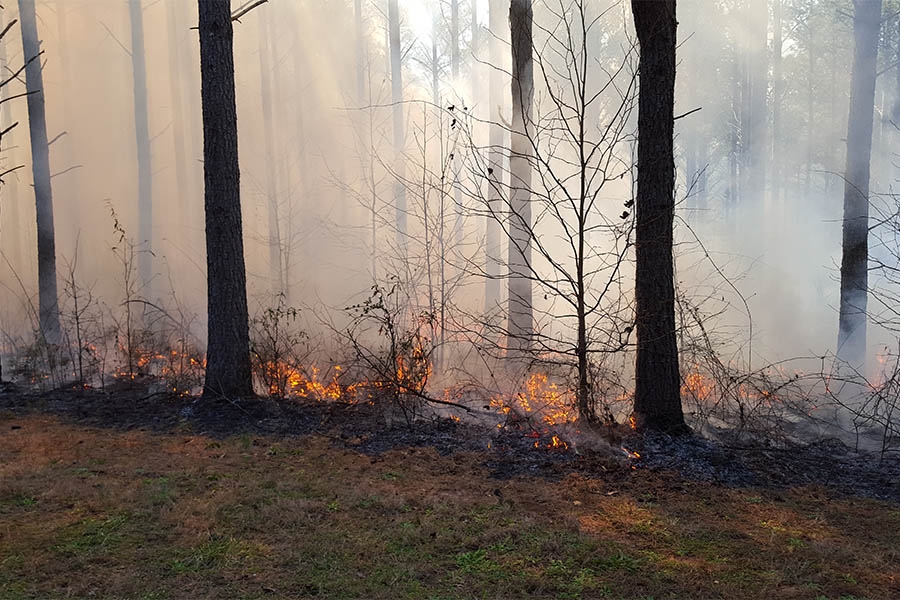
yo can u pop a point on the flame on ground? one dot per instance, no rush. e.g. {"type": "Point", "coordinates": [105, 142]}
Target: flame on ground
{"type": "Point", "coordinates": [300, 383]}
{"type": "Point", "coordinates": [541, 398]}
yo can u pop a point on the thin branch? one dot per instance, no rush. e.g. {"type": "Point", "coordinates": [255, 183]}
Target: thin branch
{"type": "Point", "coordinates": [236, 16]}
{"type": "Point", "coordinates": [8, 171]}
{"type": "Point", "coordinates": [688, 113]}
{"type": "Point", "coordinates": [113, 36]}
{"type": "Point", "coordinates": [8, 27]}
{"type": "Point", "coordinates": [50, 143]}
{"type": "Point", "coordinates": [64, 171]}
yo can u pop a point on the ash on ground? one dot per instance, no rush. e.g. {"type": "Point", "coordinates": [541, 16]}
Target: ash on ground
{"type": "Point", "coordinates": [510, 450]}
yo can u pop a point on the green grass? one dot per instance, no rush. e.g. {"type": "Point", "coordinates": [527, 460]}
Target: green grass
{"type": "Point", "coordinates": [168, 516]}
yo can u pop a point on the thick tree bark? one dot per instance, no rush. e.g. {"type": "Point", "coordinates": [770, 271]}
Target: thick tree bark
{"type": "Point", "coordinates": [399, 129]}
{"type": "Point", "coordinates": [142, 139]}
{"type": "Point", "coordinates": [48, 303]}
{"type": "Point", "coordinates": [855, 247]}
{"type": "Point", "coordinates": [521, 311]}
{"type": "Point", "coordinates": [228, 352]}
{"type": "Point", "coordinates": [496, 141]}
{"type": "Point", "coordinates": [657, 395]}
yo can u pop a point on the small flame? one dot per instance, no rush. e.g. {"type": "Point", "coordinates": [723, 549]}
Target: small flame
{"type": "Point", "coordinates": [552, 404]}
{"type": "Point", "coordinates": [630, 454]}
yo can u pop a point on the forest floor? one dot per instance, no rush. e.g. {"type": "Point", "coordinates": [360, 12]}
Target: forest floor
{"type": "Point", "coordinates": [123, 495]}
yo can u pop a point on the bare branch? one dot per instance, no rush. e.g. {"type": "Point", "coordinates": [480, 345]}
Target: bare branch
{"type": "Point", "coordinates": [236, 16]}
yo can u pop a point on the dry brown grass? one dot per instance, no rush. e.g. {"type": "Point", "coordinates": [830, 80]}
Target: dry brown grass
{"type": "Point", "coordinates": [98, 513]}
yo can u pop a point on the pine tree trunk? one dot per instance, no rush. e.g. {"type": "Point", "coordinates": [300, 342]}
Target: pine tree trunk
{"type": "Point", "coordinates": [67, 209]}
{"type": "Point", "coordinates": [521, 312]}
{"type": "Point", "coordinates": [757, 94]}
{"type": "Point", "coordinates": [399, 128]}
{"type": "Point", "coordinates": [496, 141]}
{"type": "Point", "coordinates": [657, 395]}
{"type": "Point", "coordinates": [9, 197]}
{"type": "Point", "coordinates": [276, 262]}
{"type": "Point", "coordinates": [454, 68]}
{"type": "Point", "coordinates": [182, 179]}
{"type": "Point", "coordinates": [48, 306]}
{"type": "Point", "coordinates": [734, 154]}
{"type": "Point", "coordinates": [142, 139]}
{"type": "Point", "coordinates": [454, 39]}
{"type": "Point", "coordinates": [855, 247]}
{"type": "Point", "coordinates": [777, 93]}
{"type": "Point", "coordinates": [228, 352]}
{"type": "Point", "coordinates": [360, 62]}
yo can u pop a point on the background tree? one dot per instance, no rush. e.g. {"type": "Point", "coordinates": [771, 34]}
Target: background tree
{"type": "Point", "coordinates": [855, 238]}
{"type": "Point", "coordinates": [266, 66]}
{"type": "Point", "coordinates": [396, 59]}
{"type": "Point", "coordinates": [577, 154]}
{"type": "Point", "coordinates": [521, 311]}
{"type": "Point", "coordinates": [48, 302]}
{"type": "Point", "coordinates": [228, 350]}
{"type": "Point", "coordinates": [496, 153]}
{"type": "Point", "coordinates": [184, 180]}
{"type": "Point", "coordinates": [657, 394]}
{"type": "Point", "coordinates": [142, 139]}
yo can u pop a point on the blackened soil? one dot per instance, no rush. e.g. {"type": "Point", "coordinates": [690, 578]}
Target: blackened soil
{"type": "Point", "coordinates": [510, 451]}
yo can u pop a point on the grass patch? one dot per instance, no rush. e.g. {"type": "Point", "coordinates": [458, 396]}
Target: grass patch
{"type": "Point", "coordinates": [92, 536]}
{"type": "Point", "coordinates": [132, 515]}
{"type": "Point", "coordinates": [214, 555]}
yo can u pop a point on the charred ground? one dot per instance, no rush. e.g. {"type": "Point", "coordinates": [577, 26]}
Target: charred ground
{"type": "Point", "coordinates": [508, 449]}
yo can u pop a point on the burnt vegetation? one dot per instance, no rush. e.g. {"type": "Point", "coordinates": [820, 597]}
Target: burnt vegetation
{"type": "Point", "coordinates": [503, 299]}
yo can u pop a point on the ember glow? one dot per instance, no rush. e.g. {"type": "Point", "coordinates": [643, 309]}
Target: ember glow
{"type": "Point", "coordinates": [413, 371]}
{"type": "Point", "coordinates": [303, 383]}
{"type": "Point", "coordinates": [542, 405]}
{"type": "Point", "coordinates": [541, 400]}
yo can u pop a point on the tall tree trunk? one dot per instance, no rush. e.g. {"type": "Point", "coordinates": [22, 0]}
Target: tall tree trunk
{"type": "Point", "coordinates": [9, 198]}
{"type": "Point", "coordinates": [182, 180]}
{"type": "Point", "coordinates": [228, 353]}
{"type": "Point", "coordinates": [399, 133]}
{"type": "Point", "coordinates": [454, 39]}
{"type": "Point", "coordinates": [435, 66]}
{"type": "Point", "coordinates": [734, 155]}
{"type": "Point", "coordinates": [521, 311]}
{"type": "Point", "coordinates": [274, 224]}
{"type": "Point", "coordinates": [454, 69]}
{"type": "Point", "coordinates": [657, 394]}
{"type": "Point", "coordinates": [142, 139]}
{"type": "Point", "coordinates": [757, 77]}
{"type": "Point", "coordinates": [474, 86]}
{"type": "Point", "coordinates": [193, 125]}
{"type": "Point", "coordinates": [360, 62]}
{"type": "Point", "coordinates": [895, 111]}
{"type": "Point", "coordinates": [68, 211]}
{"type": "Point", "coordinates": [894, 135]}
{"type": "Point", "coordinates": [810, 111]}
{"type": "Point", "coordinates": [777, 93]}
{"type": "Point", "coordinates": [474, 69]}
{"type": "Point", "coordinates": [497, 139]}
{"type": "Point", "coordinates": [48, 303]}
{"type": "Point", "coordinates": [855, 247]}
